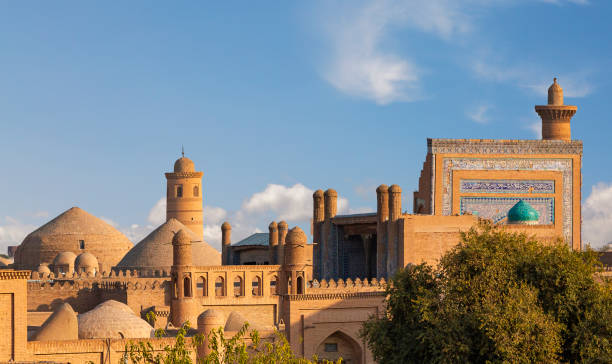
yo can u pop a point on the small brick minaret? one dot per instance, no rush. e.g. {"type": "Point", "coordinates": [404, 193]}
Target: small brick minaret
{"type": "Point", "coordinates": [556, 116]}
{"type": "Point", "coordinates": [184, 196]}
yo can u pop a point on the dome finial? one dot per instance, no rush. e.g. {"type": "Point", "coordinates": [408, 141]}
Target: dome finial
{"type": "Point", "coordinates": [555, 94]}
{"type": "Point", "coordinates": [183, 147]}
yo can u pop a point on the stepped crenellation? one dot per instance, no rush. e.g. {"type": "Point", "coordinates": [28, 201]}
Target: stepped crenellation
{"type": "Point", "coordinates": [340, 285]}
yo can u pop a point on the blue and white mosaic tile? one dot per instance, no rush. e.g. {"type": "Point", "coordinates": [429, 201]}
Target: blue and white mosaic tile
{"type": "Point", "coordinates": [496, 208]}
{"type": "Point", "coordinates": [506, 186]}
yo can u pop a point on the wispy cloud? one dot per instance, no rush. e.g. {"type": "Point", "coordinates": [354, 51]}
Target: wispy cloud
{"type": "Point", "coordinates": [361, 64]}
{"type": "Point", "coordinates": [532, 78]}
{"type": "Point", "coordinates": [13, 231]}
{"type": "Point", "coordinates": [536, 129]}
{"type": "Point", "coordinates": [479, 114]}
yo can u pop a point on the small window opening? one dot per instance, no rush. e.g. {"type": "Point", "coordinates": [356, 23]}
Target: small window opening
{"type": "Point", "coordinates": [82, 244]}
{"type": "Point", "coordinates": [331, 347]}
{"type": "Point", "coordinates": [273, 285]}
{"type": "Point", "coordinates": [187, 287]}
{"type": "Point", "coordinates": [179, 191]}
{"type": "Point", "coordinates": [196, 191]}
{"type": "Point", "coordinates": [219, 287]}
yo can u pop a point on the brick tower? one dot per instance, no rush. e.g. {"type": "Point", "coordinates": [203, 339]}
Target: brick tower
{"type": "Point", "coordinates": [184, 196]}
{"type": "Point", "coordinates": [556, 116]}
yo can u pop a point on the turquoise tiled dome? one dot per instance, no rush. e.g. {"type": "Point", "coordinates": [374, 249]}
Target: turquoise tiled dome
{"type": "Point", "coordinates": [523, 213]}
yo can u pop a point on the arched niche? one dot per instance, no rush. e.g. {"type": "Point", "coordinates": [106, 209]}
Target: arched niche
{"type": "Point", "coordinates": [340, 345]}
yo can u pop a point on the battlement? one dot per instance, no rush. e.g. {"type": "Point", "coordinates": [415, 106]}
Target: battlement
{"type": "Point", "coordinates": [346, 286]}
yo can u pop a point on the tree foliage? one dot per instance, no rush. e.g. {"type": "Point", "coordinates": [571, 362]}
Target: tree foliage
{"type": "Point", "coordinates": [497, 297]}
{"type": "Point", "coordinates": [245, 347]}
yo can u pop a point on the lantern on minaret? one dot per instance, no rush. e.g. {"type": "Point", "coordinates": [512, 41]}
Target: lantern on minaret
{"type": "Point", "coordinates": [556, 116]}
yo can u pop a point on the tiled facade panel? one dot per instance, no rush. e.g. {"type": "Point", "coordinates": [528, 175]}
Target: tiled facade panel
{"type": "Point", "coordinates": [496, 208]}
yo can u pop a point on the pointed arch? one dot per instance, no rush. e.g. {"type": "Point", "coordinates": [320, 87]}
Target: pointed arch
{"type": "Point", "coordinates": [274, 286]}
{"type": "Point", "coordinates": [219, 286]}
{"type": "Point", "coordinates": [238, 286]}
{"type": "Point", "coordinates": [201, 288]}
{"type": "Point", "coordinates": [339, 344]}
{"type": "Point", "coordinates": [256, 286]}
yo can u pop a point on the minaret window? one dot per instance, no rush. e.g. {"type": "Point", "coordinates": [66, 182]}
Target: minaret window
{"type": "Point", "coordinates": [256, 286]}
{"type": "Point", "coordinates": [196, 191]}
{"type": "Point", "coordinates": [273, 285]}
{"type": "Point", "coordinates": [219, 287]}
{"type": "Point", "coordinates": [187, 286]}
{"type": "Point", "coordinates": [81, 244]}
{"type": "Point", "coordinates": [201, 287]}
{"type": "Point", "coordinates": [179, 191]}
{"type": "Point", "coordinates": [238, 287]}
{"type": "Point", "coordinates": [300, 285]}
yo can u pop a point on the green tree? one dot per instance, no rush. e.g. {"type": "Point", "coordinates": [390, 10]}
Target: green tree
{"type": "Point", "coordinates": [497, 297]}
{"type": "Point", "coordinates": [245, 347]}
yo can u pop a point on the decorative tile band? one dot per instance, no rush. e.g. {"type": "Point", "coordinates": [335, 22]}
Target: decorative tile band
{"type": "Point", "coordinates": [496, 146]}
{"type": "Point", "coordinates": [506, 186]}
{"type": "Point", "coordinates": [496, 208]}
{"type": "Point", "coordinates": [562, 165]}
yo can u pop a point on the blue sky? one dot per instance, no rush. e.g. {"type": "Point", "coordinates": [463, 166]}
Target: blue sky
{"type": "Point", "coordinates": [273, 100]}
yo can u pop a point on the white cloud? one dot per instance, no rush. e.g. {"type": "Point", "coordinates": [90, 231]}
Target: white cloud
{"type": "Point", "coordinates": [12, 232]}
{"type": "Point", "coordinates": [479, 114]}
{"type": "Point", "coordinates": [109, 221]}
{"type": "Point", "coordinates": [288, 203]}
{"type": "Point", "coordinates": [213, 214]}
{"type": "Point", "coordinates": [136, 232]}
{"type": "Point", "coordinates": [157, 214]}
{"type": "Point", "coordinates": [597, 216]}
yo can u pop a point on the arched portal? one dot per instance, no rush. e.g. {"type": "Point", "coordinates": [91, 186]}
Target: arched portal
{"type": "Point", "coordinates": [340, 345]}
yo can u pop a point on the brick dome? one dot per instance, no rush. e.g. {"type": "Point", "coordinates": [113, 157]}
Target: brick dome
{"type": "Point", "coordinates": [112, 319]}
{"type": "Point", "coordinates": [86, 262]}
{"type": "Point", "coordinates": [184, 164]}
{"type": "Point", "coordinates": [64, 258]}
{"type": "Point", "coordinates": [155, 250]}
{"type": "Point", "coordinates": [75, 231]}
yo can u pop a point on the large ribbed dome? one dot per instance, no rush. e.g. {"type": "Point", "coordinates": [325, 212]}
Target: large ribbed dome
{"type": "Point", "coordinates": [155, 250]}
{"type": "Point", "coordinates": [523, 213]}
{"type": "Point", "coordinates": [112, 319]}
{"type": "Point", "coordinates": [75, 231]}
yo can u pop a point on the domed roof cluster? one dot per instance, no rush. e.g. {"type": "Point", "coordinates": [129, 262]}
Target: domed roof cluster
{"type": "Point", "coordinates": [155, 250]}
{"type": "Point", "coordinates": [184, 164]}
{"type": "Point", "coordinates": [75, 231]}
{"type": "Point", "coordinates": [523, 213]}
{"type": "Point", "coordinates": [112, 319]}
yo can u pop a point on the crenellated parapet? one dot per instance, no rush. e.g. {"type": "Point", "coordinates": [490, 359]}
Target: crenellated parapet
{"type": "Point", "coordinates": [346, 286]}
